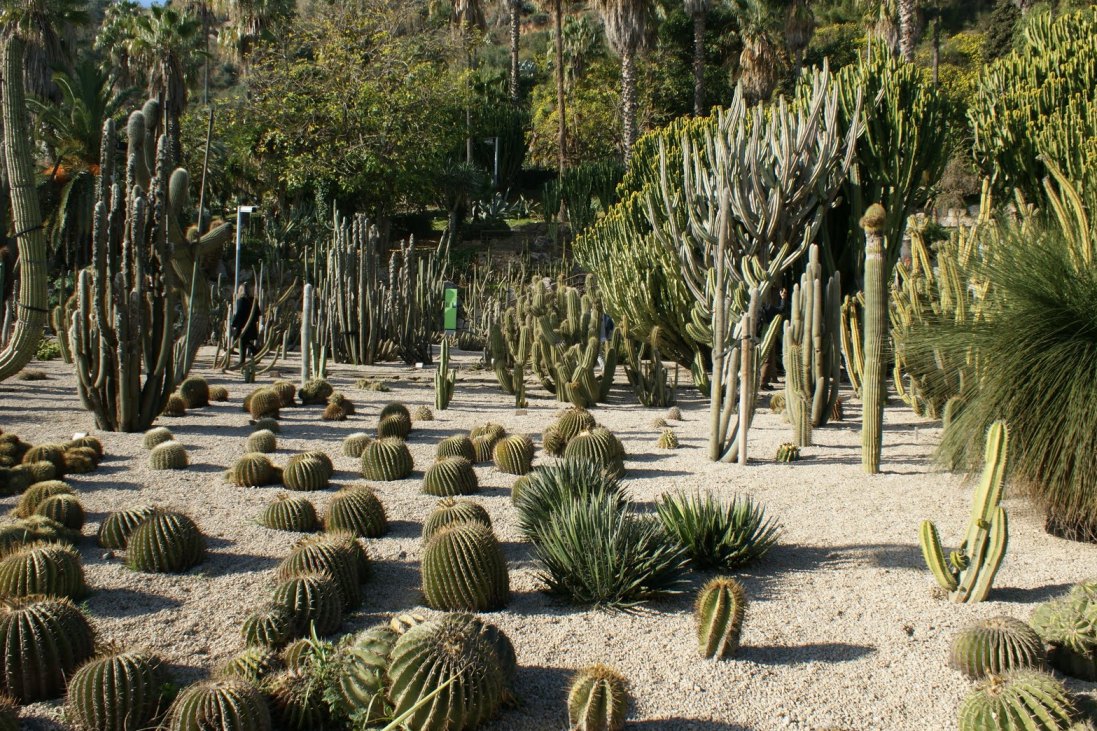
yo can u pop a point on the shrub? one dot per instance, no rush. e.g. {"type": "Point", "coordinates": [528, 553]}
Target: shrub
{"type": "Point", "coordinates": [450, 511]}
{"type": "Point", "coordinates": [715, 535]}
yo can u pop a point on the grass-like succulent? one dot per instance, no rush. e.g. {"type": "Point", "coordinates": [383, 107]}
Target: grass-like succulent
{"type": "Point", "coordinates": [157, 435]}
{"type": "Point", "coordinates": [115, 530]}
{"type": "Point", "coordinates": [718, 534]}
{"type": "Point", "coordinates": [355, 444]}
{"type": "Point", "coordinates": [548, 488]}
{"type": "Point", "coordinates": [996, 645]}
{"type": "Point", "coordinates": [290, 513]}
{"type": "Point", "coordinates": [598, 699]}
{"type": "Point", "coordinates": [168, 456]}
{"type": "Point", "coordinates": [263, 441]}
{"type": "Point", "coordinates": [357, 510]}
{"type": "Point", "coordinates": [450, 511]}
{"type": "Point", "coordinates": [119, 691]}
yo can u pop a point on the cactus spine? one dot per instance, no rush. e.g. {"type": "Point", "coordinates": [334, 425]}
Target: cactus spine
{"type": "Point", "coordinates": [444, 379]}
{"type": "Point", "coordinates": [876, 332]}
{"type": "Point", "coordinates": [969, 571]}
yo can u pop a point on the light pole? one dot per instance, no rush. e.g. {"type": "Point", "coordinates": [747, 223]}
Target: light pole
{"type": "Point", "coordinates": [240, 211]}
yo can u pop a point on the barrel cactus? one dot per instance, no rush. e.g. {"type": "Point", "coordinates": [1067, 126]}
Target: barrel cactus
{"type": "Point", "coordinates": [463, 568]}
{"type": "Point", "coordinates": [667, 440]}
{"type": "Point", "coordinates": [357, 510]}
{"type": "Point", "coordinates": [34, 529]}
{"type": "Point", "coordinates": [719, 611]}
{"type": "Point", "coordinates": [87, 441]}
{"type": "Point", "coordinates": [553, 441]}
{"type": "Point", "coordinates": [456, 446]}
{"type": "Point", "coordinates": [600, 446]}
{"type": "Point", "coordinates": [394, 425]}
{"type": "Point", "coordinates": [394, 407]}
{"type": "Point", "coordinates": [37, 494]}
{"type": "Point", "coordinates": [78, 461]}
{"type": "Point", "coordinates": [488, 429]}
{"type": "Point", "coordinates": [483, 446]}
{"type": "Point", "coordinates": [514, 454]}
{"type": "Point", "coordinates": [387, 459]}
{"type": "Point", "coordinates": [598, 700]}
{"type": "Point", "coordinates": [271, 625]}
{"type": "Point", "coordinates": [38, 471]}
{"type": "Point", "coordinates": [218, 393]}
{"type": "Point", "coordinates": [65, 509]}
{"type": "Point", "coordinates": [175, 407]}
{"type": "Point", "coordinates": [115, 530]}
{"type": "Point", "coordinates": [42, 641]}
{"type": "Point", "coordinates": [658, 423]}
{"type": "Point", "coordinates": [306, 472]}
{"type": "Point", "coordinates": [168, 456]}
{"type": "Point", "coordinates": [355, 444]}
{"type": "Point", "coordinates": [332, 555]}
{"type": "Point", "coordinates": [361, 661]}
{"type": "Point", "coordinates": [121, 691]}
{"type": "Point", "coordinates": [450, 511]}
{"type": "Point", "coordinates": [264, 403]}
{"type": "Point", "coordinates": [315, 392]}
{"type": "Point", "coordinates": [9, 713]}
{"type": "Point", "coordinates": [268, 423]}
{"type": "Point", "coordinates": [298, 700]}
{"type": "Point", "coordinates": [788, 452]}
{"type": "Point", "coordinates": [286, 390]}
{"type": "Point", "coordinates": [1017, 701]}
{"type": "Point", "coordinates": [422, 413]}
{"type": "Point", "coordinates": [314, 601]}
{"type": "Point", "coordinates": [157, 435]}
{"type": "Point", "coordinates": [338, 409]}
{"type": "Point", "coordinates": [996, 645]}
{"type": "Point", "coordinates": [165, 542]}
{"type": "Point", "coordinates": [290, 513]}
{"type": "Point", "coordinates": [450, 476]}
{"type": "Point", "coordinates": [54, 453]}
{"type": "Point", "coordinates": [674, 414]}
{"type": "Point", "coordinates": [195, 392]}
{"type": "Point", "coordinates": [227, 703]}
{"type": "Point", "coordinates": [49, 569]}
{"type": "Point", "coordinates": [1069, 625]}
{"type": "Point", "coordinates": [568, 423]}
{"type": "Point", "coordinates": [252, 470]}
{"type": "Point", "coordinates": [777, 403]}
{"type": "Point", "coordinates": [263, 441]}
{"type": "Point", "coordinates": [254, 664]}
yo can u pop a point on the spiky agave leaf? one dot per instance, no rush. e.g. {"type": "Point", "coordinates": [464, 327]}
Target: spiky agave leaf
{"type": "Point", "coordinates": [718, 534]}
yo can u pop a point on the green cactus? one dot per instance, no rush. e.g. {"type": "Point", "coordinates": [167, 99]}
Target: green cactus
{"type": "Point", "coordinates": [253, 470]}
{"type": "Point", "coordinates": [385, 460]}
{"type": "Point", "coordinates": [568, 423]}
{"type": "Point", "coordinates": [298, 700]}
{"type": "Point", "coordinates": [600, 446]}
{"type": "Point", "coordinates": [218, 393]}
{"type": "Point", "coordinates": [48, 569]}
{"type": "Point", "coordinates": [970, 571]}
{"type": "Point", "coordinates": [361, 661]}
{"type": "Point", "coordinates": [667, 439]}
{"type": "Point", "coordinates": [1069, 626]}
{"type": "Point", "coordinates": [264, 403]}
{"type": "Point", "coordinates": [874, 391]}
{"type": "Point", "coordinates": [272, 625]}
{"type": "Point", "coordinates": [37, 494]}
{"type": "Point", "coordinates": [483, 446]}
{"type": "Point", "coordinates": [514, 454]}
{"type": "Point", "coordinates": [314, 601]}
{"type": "Point", "coordinates": [38, 471]}
{"type": "Point", "coordinates": [228, 703]}
{"type": "Point", "coordinates": [42, 642]}
{"type": "Point", "coordinates": [996, 645]}
{"type": "Point", "coordinates": [78, 461]}
{"type": "Point", "coordinates": [719, 611]}
{"type": "Point", "coordinates": [315, 392]}
{"type": "Point", "coordinates": [262, 441]}
{"type": "Point", "coordinates": [87, 441]}
{"type": "Point", "coordinates": [357, 510]}
{"type": "Point", "coordinates": [445, 379]}
{"type": "Point", "coordinates": [195, 392]}
{"type": "Point", "coordinates": [290, 513]}
{"type": "Point", "coordinates": [32, 530]}
{"type": "Point", "coordinates": [306, 472]}
{"type": "Point", "coordinates": [787, 452]}
{"type": "Point", "coordinates": [488, 429]}
{"type": "Point", "coordinates": [1018, 700]}
{"type": "Point", "coordinates": [121, 691]}
{"type": "Point", "coordinates": [463, 568]}
{"type": "Point", "coordinates": [157, 435]}
{"type": "Point", "coordinates": [598, 700]}
{"type": "Point", "coordinates": [54, 453]}
{"type": "Point", "coordinates": [337, 555]}
{"type": "Point", "coordinates": [394, 425]}
{"type": "Point", "coordinates": [422, 413]}
{"type": "Point", "coordinates": [165, 542]}
{"type": "Point", "coordinates": [168, 456]}
{"type": "Point", "coordinates": [355, 444]}
{"type": "Point", "coordinates": [450, 511]}
{"type": "Point", "coordinates": [394, 407]}
{"type": "Point", "coordinates": [338, 409]}
{"type": "Point", "coordinates": [286, 390]}
{"type": "Point", "coordinates": [9, 713]}
{"type": "Point", "coordinates": [450, 476]}
{"type": "Point", "coordinates": [115, 530]}
{"type": "Point", "coordinates": [175, 406]}
{"type": "Point", "coordinates": [456, 446]}
{"type": "Point", "coordinates": [254, 664]}
{"type": "Point", "coordinates": [306, 652]}
{"type": "Point", "coordinates": [268, 423]}
{"type": "Point", "coordinates": [512, 377]}
{"type": "Point", "coordinates": [553, 441]}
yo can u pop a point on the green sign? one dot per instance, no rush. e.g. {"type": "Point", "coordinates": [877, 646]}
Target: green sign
{"type": "Point", "coordinates": [449, 309]}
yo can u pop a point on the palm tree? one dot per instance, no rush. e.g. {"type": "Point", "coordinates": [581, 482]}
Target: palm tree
{"type": "Point", "coordinates": [515, 8]}
{"type": "Point", "coordinates": [73, 127]}
{"type": "Point", "coordinates": [112, 42]}
{"type": "Point", "coordinates": [626, 23]}
{"type": "Point", "coordinates": [468, 16]}
{"type": "Point", "coordinates": [561, 125]}
{"type": "Point", "coordinates": [880, 16]}
{"type": "Point", "coordinates": [46, 28]}
{"type": "Point", "coordinates": [698, 12]}
{"type": "Point", "coordinates": [908, 29]}
{"type": "Point", "coordinates": [799, 27]}
{"type": "Point", "coordinates": [759, 62]}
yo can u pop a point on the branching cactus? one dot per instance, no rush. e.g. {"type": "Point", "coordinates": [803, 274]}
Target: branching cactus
{"type": "Point", "coordinates": [444, 379]}
{"type": "Point", "coordinates": [649, 378]}
{"type": "Point", "coordinates": [968, 572]}
{"type": "Point", "coordinates": [510, 363]}
{"type": "Point", "coordinates": [355, 293]}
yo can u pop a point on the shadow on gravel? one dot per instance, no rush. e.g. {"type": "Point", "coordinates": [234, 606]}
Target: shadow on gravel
{"type": "Point", "coordinates": [828, 652]}
{"type": "Point", "coordinates": [127, 602]}
{"type": "Point", "coordinates": [1017, 595]}
{"type": "Point", "coordinates": [684, 724]}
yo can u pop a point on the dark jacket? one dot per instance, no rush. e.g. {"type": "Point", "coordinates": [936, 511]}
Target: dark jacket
{"type": "Point", "coordinates": [243, 317]}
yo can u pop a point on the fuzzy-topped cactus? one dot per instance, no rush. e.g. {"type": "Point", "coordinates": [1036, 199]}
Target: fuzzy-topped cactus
{"type": "Point", "coordinates": [996, 645]}
{"type": "Point", "coordinates": [598, 700]}
{"type": "Point", "coordinates": [314, 601]}
{"type": "Point", "coordinates": [48, 569]}
{"type": "Point", "coordinates": [36, 494]}
{"type": "Point", "coordinates": [168, 456]}
{"type": "Point", "coordinates": [315, 392]}
{"type": "Point", "coordinates": [157, 435]}
{"type": "Point", "coordinates": [33, 530]}
{"type": "Point", "coordinates": [271, 625]}
{"type": "Point", "coordinates": [306, 472]}
{"type": "Point", "coordinates": [65, 509]}
{"type": "Point", "coordinates": [286, 390]}
{"type": "Point", "coordinates": [254, 664]}
{"type": "Point", "coordinates": [228, 703]}
{"type": "Point", "coordinates": [514, 454]}
{"type": "Point", "coordinates": [355, 444]}
{"type": "Point", "coordinates": [357, 510]}
{"type": "Point", "coordinates": [456, 446]}
{"type": "Point", "coordinates": [658, 423]}
{"type": "Point", "coordinates": [298, 700]}
{"type": "Point", "coordinates": [719, 611]}
{"type": "Point", "coordinates": [54, 453]}
{"type": "Point", "coordinates": [38, 471]}
{"type": "Point", "coordinates": [600, 446]}
{"type": "Point", "coordinates": [195, 392]}
{"type": "Point", "coordinates": [165, 542]}
{"type": "Point", "coordinates": [387, 459]}
{"type": "Point", "coordinates": [667, 439]}
{"type": "Point", "coordinates": [42, 642]}
{"type": "Point", "coordinates": [787, 452]}
{"type": "Point", "coordinates": [463, 569]}
{"type": "Point", "coordinates": [175, 406]}
{"type": "Point", "coordinates": [218, 394]}
{"type": "Point", "coordinates": [264, 403]}
{"type": "Point", "coordinates": [263, 441]}
{"type": "Point", "coordinates": [422, 413]}
{"type": "Point", "coordinates": [338, 409]}
{"type": "Point", "coordinates": [120, 691]}
{"type": "Point", "coordinates": [78, 461]}
{"type": "Point", "coordinates": [1069, 625]}
{"type": "Point", "coordinates": [450, 511]}
{"type": "Point", "coordinates": [289, 513]}
{"type": "Point", "coordinates": [450, 476]}
{"type": "Point", "coordinates": [1016, 701]}
{"type": "Point", "coordinates": [253, 470]}
{"type": "Point", "coordinates": [115, 530]}
{"type": "Point", "coordinates": [674, 414]}
{"type": "Point", "coordinates": [87, 441]}
{"type": "Point", "coordinates": [337, 555]}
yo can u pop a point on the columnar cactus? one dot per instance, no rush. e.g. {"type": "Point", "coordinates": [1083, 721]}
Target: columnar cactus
{"type": "Point", "coordinates": [42, 641]}
{"type": "Point", "coordinates": [46, 569]}
{"type": "Point", "coordinates": [450, 476]}
{"type": "Point", "coordinates": [289, 513]}
{"type": "Point", "coordinates": [386, 460]}
{"type": "Point", "coordinates": [165, 542]}
{"type": "Point", "coordinates": [996, 645]}
{"type": "Point", "coordinates": [357, 510]}
{"type": "Point", "coordinates": [873, 393]}
{"type": "Point", "coordinates": [229, 703]}
{"type": "Point", "coordinates": [514, 454]}
{"type": "Point", "coordinates": [445, 378]}
{"type": "Point", "coordinates": [721, 605]}
{"type": "Point", "coordinates": [970, 570]}
{"type": "Point", "coordinates": [598, 700]}
{"type": "Point", "coordinates": [450, 511]}
{"type": "Point", "coordinates": [121, 691]}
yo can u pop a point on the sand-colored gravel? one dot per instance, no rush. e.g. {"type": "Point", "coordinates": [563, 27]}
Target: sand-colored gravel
{"type": "Point", "coordinates": [844, 628]}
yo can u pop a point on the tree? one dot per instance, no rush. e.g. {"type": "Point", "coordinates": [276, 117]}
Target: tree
{"type": "Point", "coordinates": [112, 42]}
{"type": "Point", "coordinates": [515, 8]}
{"type": "Point", "coordinates": [46, 28]}
{"type": "Point", "coordinates": [799, 27]}
{"type": "Point", "coordinates": [250, 22]}
{"type": "Point", "coordinates": [908, 29]}
{"type": "Point", "coordinates": [698, 12]}
{"type": "Point", "coordinates": [626, 23]}
{"type": "Point", "coordinates": [73, 127]}
{"type": "Point", "coordinates": [759, 62]}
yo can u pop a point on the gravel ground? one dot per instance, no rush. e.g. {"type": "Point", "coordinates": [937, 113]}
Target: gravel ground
{"type": "Point", "coordinates": [845, 629]}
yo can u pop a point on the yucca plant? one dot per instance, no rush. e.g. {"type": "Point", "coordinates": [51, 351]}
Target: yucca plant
{"type": "Point", "coordinates": [716, 534]}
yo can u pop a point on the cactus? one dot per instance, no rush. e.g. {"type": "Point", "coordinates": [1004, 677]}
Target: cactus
{"type": "Point", "coordinates": [1015, 701]}
{"type": "Point", "coordinates": [394, 425]}
{"type": "Point", "coordinates": [600, 446]}
{"type": "Point", "coordinates": [195, 392]}
{"type": "Point", "coordinates": [361, 662]}
{"type": "Point", "coordinates": [357, 510]}
{"type": "Point", "coordinates": [37, 494]}
{"type": "Point", "coordinates": [263, 403]}
{"type": "Point", "coordinates": [289, 513]}
{"type": "Point", "coordinates": [298, 700]}
{"type": "Point", "coordinates": [394, 407]}
{"type": "Point", "coordinates": [262, 441]}
{"type": "Point", "coordinates": [644, 369]}
{"type": "Point", "coordinates": [254, 664]}
{"type": "Point", "coordinates": [42, 642]}
{"type": "Point", "coordinates": [422, 413]}
{"type": "Point", "coordinates": [78, 461]}
{"type": "Point", "coordinates": [168, 456]}
{"type": "Point", "coordinates": [463, 568]}
{"type": "Point", "coordinates": [674, 414]}
{"type": "Point", "coordinates": [386, 460]}
{"type": "Point", "coordinates": [484, 447]}
{"type": "Point", "coordinates": [777, 403]}
{"type": "Point", "coordinates": [412, 296]}
{"type": "Point", "coordinates": [719, 611]}
{"type": "Point", "coordinates": [667, 439]}
{"type": "Point", "coordinates": [970, 570]}
{"type": "Point", "coordinates": [306, 472]}
{"type": "Point", "coordinates": [456, 446]}
{"type": "Point", "coordinates": [512, 378]}
{"type": "Point", "coordinates": [252, 470]}
{"type": "Point", "coordinates": [995, 646]}
{"type": "Point", "coordinates": [1069, 626]}
{"type": "Point", "coordinates": [157, 435]}
{"type": "Point", "coordinates": [32, 530]}
{"type": "Point", "coordinates": [116, 528]}
{"type": "Point", "coordinates": [45, 568]}
{"type": "Point", "coordinates": [514, 454]}
{"type": "Point", "coordinates": [445, 379]}
{"type": "Point", "coordinates": [569, 423]}
{"type": "Point", "coordinates": [121, 691]}
{"type": "Point", "coordinates": [338, 409]}
{"type": "Point", "coordinates": [38, 471]}
{"type": "Point", "coordinates": [315, 392]}
{"type": "Point", "coordinates": [286, 390]}
{"type": "Point", "coordinates": [873, 386]}
{"type": "Point", "coordinates": [228, 703]}
{"type": "Point", "coordinates": [9, 713]}
{"type": "Point", "coordinates": [598, 700]}
{"type": "Point", "coordinates": [54, 453]}
{"type": "Point", "coordinates": [450, 476]}
{"type": "Point", "coordinates": [165, 542]}
{"type": "Point", "coordinates": [355, 444]}
{"type": "Point", "coordinates": [272, 625]}
{"type": "Point", "coordinates": [303, 654]}
{"type": "Point", "coordinates": [87, 441]}
{"type": "Point", "coordinates": [336, 555]}
{"type": "Point", "coordinates": [489, 429]}
{"type": "Point", "coordinates": [787, 452]}
{"type": "Point", "coordinates": [456, 658]}
{"type": "Point", "coordinates": [267, 423]}
{"type": "Point", "coordinates": [65, 509]}
{"type": "Point", "coordinates": [218, 394]}
{"type": "Point", "coordinates": [450, 511]}
{"type": "Point", "coordinates": [313, 600]}
{"type": "Point", "coordinates": [658, 423]}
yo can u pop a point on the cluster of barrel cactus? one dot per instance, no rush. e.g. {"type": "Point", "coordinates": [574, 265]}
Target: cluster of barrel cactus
{"type": "Point", "coordinates": [567, 425]}
{"type": "Point", "coordinates": [23, 464]}
{"type": "Point", "coordinates": [1069, 626]}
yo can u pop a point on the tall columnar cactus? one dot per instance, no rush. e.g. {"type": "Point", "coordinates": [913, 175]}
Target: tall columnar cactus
{"type": "Point", "coordinates": [873, 389]}
{"type": "Point", "coordinates": [413, 299]}
{"type": "Point", "coordinates": [649, 378]}
{"type": "Point", "coordinates": [444, 379]}
{"type": "Point", "coordinates": [719, 612]}
{"type": "Point", "coordinates": [969, 571]}
{"type": "Point", "coordinates": [42, 641]}
{"type": "Point", "coordinates": [120, 691]}
{"type": "Point", "coordinates": [812, 361]}
{"type": "Point", "coordinates": [354, 289]}
{"type": "Point", "coordinates": [598, 700]}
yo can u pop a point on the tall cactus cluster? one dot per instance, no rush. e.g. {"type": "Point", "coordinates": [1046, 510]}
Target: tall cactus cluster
{"type": "Point", "coordinates": [644, 368]}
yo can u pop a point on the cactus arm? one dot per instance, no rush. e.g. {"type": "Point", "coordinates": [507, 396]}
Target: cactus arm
{"type": "Point", "coordinates": [935, 556]}
{"type": "Point", "coordinates": [996, 543]}
{"type": "Point", "coordinates": [988, 494]}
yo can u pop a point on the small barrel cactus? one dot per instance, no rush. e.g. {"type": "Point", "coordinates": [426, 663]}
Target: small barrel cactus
{"type": "Point", "coordinates": [269, 424]}
{"type": "Point", "coordinates": [254, 664]}
{"type": "Point", "coordinates": [218, 393]}
{"type": "Point", "coordinates": [286, 390]}
{"type": "Point", "coordinates": [271, 625]}
{"type": "Point", "coordinates": [463, 568]}
{"type": "Point", "coordinates": [115, 530]}
{"type": "Point", "coordinates": [450, 511]}
{"type": "Point", "coordinates": [361, 662]}
{"type": "Point", "coordinates": [263, 441]}
{"type": "Point", "coordinates": [553, 441]}
{"type": "Point", "coordinates": [514, 454]}
{"type": "Point", "coordinates": [667, 440]}
{"type": "Point", "coordinates": [659, 423]}
{"type": "Point", "coordinates": [175, 407]}
{"type": "Point", "coordinates": [483, 446]}
{"type": "Point", "coordinates": [598, 700]}
{"type": "Point", "coordinates": [48, 569]}
{"type": "Point", "coordinates": [315, 392]}
{"type": "Point", "coordinates": [338, 409]}
{"type": "Point", "coordinates": [121, 691]}
{"type": "Point", "coordinates": [32, 530]}
{"type": "Point", "coordinates": [79, 461]}
{"type": "Point", "coordinates": [65, 509]}
{"type": "Point", "coordinates": [394, 425]}
{"type": "Point", "coordinates": [9, 713]}
{"type": "Point", "coordinates": [165, 542]}
{"type": "Point", "coordinates": [306, 472]}
{"type": "Point", "coordinates": [157, 435]}
{"type": "Point", "coordinates": [674, 414]}
{"type": "Point", "coordinates": [39, 471]}
{"type": "Point", "coordinates": [422, 413]}
{"type": "Point", "coordinates": [456, 446]}
{"type": "Point", "coordinates": [777, 403]}
{"type": "Point", "coordinates": [355, 444]}
{"type": "Point", "coordinates": [488, 429]}
{"type": "Point", "coordinates": [995, 645]}
{"type": "Point", "coordinates": [314, 601]}
{"type": "Point", "coordinates": [788, 452]}
{"type": "Point", "coordinates": [357, 510]}
{"type": "Point", "coordinates": [168, 456]}
{"type": "Point", "coordinates": [252, 470]}
{"type": "Point", "coordinates": [719, 611]}
{"type": "Point", "coordinates": [1069, 625]}
{"type": "Point", "coordinates": [54, 453]}
{"type": "Point", "coordinates": [228, 703]}
{"type": "Point", "coordinates": [333, 555]}
{"type": "Point", "coordinates": [291, 513]}
{"type": "Point", "coordinates": [450, 476]}
{"type": "Point", "coordinates": [298, 700]}
{"type": "Point", "coordinates": [573, 420]}
{"type": "Point", "coordinates": [394, 407]}
{"type": "Point", "coordinates": [1016, 701]}
{"type": "Point", "coordinates": [42, 641]}
{"type": "Point", "coordinates": [600, 446]}
{"type": "Point", "coordinates": [263, 403]}
{"type": "Point", "coordinates": [387, 459]}
{"type": "Point", "coordinates": [195, 392]}
{"type": "Point", "coordinates": [37, 494]}
{"type": "Point", "coordinates": [87, 441]}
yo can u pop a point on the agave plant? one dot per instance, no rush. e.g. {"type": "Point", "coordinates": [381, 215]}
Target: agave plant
{"type": "Point", "coordinates": [548, 488]}
{"type": "Point", "coordinates": [715, 534]}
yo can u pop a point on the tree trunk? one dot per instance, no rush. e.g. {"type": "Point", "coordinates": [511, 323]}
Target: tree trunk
{"type": "Point", "coordinates": [515, 35]}
{"type": "Point", "coordinates": [907, 29]}
{"type": "Point", "coordinates": [628, 101]}
{"type": "Point", "coordinates": [699, 63]}
{"type": "Point", "coordinates": [561, 133]}
{"type": "Point", "coordinates": [937, 48]}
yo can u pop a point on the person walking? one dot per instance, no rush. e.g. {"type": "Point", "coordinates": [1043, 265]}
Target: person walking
{"type": "Point", "coordinates": [245, 322]}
